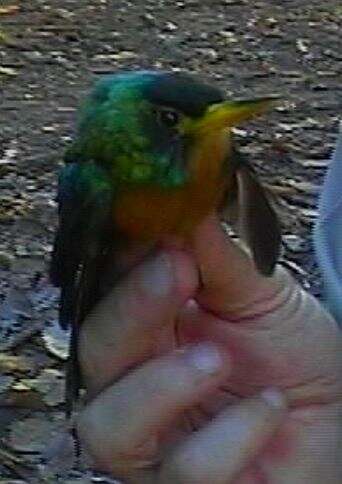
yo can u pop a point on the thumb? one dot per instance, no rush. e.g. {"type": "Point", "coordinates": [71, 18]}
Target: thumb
{"type": "Point", "coordinates": [231, 285]}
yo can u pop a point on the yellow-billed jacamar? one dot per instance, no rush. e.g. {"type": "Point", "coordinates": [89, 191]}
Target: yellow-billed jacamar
{"type": "Point", "coordinates": [152, 157]}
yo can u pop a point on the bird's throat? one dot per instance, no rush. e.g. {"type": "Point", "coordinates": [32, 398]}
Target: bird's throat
{"type": "Point", "coordinates": [150, 213]}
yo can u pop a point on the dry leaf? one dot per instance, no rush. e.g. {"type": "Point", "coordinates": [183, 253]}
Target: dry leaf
{"type": "Point", "coordinates": [8, 71]}
{"type": "Point", "coordinates": [4, 38]}
{"type": "Point", "coordinates": [22, 399]}
{"type": "Point", "coordinates": [9, 10]}
{"type": "Point", "coordinates": [56, 340]}
{"type": "Point", "coordinates": [9, 363]}
{"type": "Point", "coordinates": [302, 46]}
{"type": "Point", "coordinates": [50, 384]}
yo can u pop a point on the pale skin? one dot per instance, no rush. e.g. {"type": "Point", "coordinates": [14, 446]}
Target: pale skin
{"type": "Point", "coordinates": [199, 370]}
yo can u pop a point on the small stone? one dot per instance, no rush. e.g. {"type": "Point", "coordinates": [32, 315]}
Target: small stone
{"type": "Point", "coordinates": [149, 18]}
{"type": "Point", "coordinates": [228, 36]}
{"type": "Point", "coordinates": [124, 55]}
{"type": "Point", "coordinates": [48, 129]}
{"type": "Point", "coordinates": [211, 54]}
{"type": "Point", "coordinates": [170, 27]}
{"type": "Point", "coordinates": [319, 87]}
{"type": "Point", "coordinates": [271, 21]}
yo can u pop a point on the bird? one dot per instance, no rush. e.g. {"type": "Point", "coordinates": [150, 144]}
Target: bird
{"type": "Point", "coordinates": [153, 155]}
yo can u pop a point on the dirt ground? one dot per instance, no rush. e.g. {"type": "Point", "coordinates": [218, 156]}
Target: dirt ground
{"type": "Point", "coordinates": [50, 53]}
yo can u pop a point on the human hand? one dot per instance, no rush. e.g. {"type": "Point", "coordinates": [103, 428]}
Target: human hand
{"type": "Point", "coordinates": [264, 332]}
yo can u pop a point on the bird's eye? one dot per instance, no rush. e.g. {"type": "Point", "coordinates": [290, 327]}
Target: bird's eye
{"type": "Point", "coordinates": [169, 117]}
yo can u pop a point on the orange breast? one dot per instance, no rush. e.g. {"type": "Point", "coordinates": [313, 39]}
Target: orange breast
{"type": "Point", "coordinates": [151, 213]}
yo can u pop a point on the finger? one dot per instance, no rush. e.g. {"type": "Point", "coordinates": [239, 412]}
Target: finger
{"type": "Point", "coordinates": [128, 417]}
{"type": "Point", "coordinates": [288, 336]}
{"type": "Point", "coordinates": [231, 283]}
{"type": "Point", "coordinates": [220, 451]}
{"type": "Point", "coordinates": [125, 328]}
{"type": "Point", "coordinates": [308, 447]}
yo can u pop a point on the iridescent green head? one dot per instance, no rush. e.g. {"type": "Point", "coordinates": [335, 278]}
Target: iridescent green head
{"type": "Point", "coordinates": [140, 125]}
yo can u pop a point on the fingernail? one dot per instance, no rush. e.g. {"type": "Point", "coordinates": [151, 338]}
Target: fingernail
{"type": "Point", "coordinates": [205, 358]}
{"type": "Point", "coordinates": [274, 398]}
{"type": "Point", "coordinates": [157, 276]}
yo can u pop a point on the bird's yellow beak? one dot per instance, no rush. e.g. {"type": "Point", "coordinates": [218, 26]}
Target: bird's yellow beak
{"type": "Point", "coordinates": [227, 114]}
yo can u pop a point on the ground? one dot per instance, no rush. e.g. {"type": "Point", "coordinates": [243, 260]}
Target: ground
{"type": "Point", "coordinates": [50, 53]}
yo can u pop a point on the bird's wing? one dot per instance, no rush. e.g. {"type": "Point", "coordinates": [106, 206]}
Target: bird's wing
{"type": "Point", "coordinates": [249, 210]}
{"type": "Point", "coordinates": [85, 200]}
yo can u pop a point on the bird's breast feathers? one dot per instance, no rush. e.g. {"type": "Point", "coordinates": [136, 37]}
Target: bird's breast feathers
{"type": "Point", "coordinates": [151, 212]}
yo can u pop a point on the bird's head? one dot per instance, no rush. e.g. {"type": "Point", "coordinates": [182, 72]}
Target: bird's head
{"type": "Point", "coordinates": [143, 125]}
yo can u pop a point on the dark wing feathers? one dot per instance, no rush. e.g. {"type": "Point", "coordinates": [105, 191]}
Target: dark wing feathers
{"type": "Point", "coordinates": [85, 200]}
{"type": "Point", "coordinates": [65, 257]}
{"type": "Point", "coordinates": [252, 214]}
{"type": "Point", "coordinates": [84, 211]}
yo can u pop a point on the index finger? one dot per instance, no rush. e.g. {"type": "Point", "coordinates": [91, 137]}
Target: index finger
{"type": "Point", "coordinates": [228, 444]}
{"type": "Point", "coordinates": [129, 324]}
